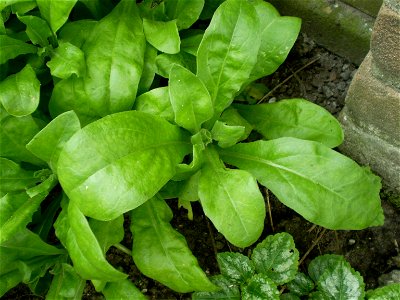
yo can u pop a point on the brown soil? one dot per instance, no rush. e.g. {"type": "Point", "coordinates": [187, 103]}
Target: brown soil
{"type": "Point", "coordinates": [372, 252]}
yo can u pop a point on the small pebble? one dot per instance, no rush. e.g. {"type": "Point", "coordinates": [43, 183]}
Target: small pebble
{"type": "Point", "coordinates": [352, 241]}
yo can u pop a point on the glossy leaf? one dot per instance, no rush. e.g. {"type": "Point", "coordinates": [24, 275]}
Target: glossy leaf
{"type": "Point", "coordinates": [66, 284]}
{"type": "Point", "coordinates": [56, 13]}
{"type": "Point", "coordinates": [11, 48]}
{"type": "Point", "coordinates": [156, 102]}
{"type": "Point", "coordinates": [228, 291]}
{"type": "Point", "coordinates": [320, 264]}
{"type": "Point", "coordinates": [389, 292]}
{"type": "Point", "coordinates": [49, 142]}
{"type": "Point", "coordinates": [236, 267]}
{"type": "Point", "coordinates": [277, 257]}
{"type": "Point", "coordinates": [149, 69]}
{"type": "Point", "coordinates": [191, 43]}
{"type": "Point", "coordinates": [163, 36]}
{"type": "Point", "coordinates": [231, 117]}
{"type": "Point", "coordinates": [77, 32]}
{"type": "Point", "coordinates": [297, 118]}
{"type": "Point", "coordinates": [164, 62]}
{"type": "Point", "coordinates": [190, 99]}
{"type": "Point", "coordinates": [260, 287]}
{"type": "Point", "coordinates": [121, 290]}
{"type": "Point", "coordinates": [184, 12]}
{"type": "Point", "coordinates": [278, 35]}
{"type": "Point", "coordinates": [37, 30]}
{"type": "Point", "coordinates": [301, 285]}
{"type": "Point", "coordinates": [227, 135]}
{"type": "Point", "coordinates": [22, 7]}
{"type": "Point", "coordinates": [108, 233]}
{"type": "Point", "coordinates": [85, 251]}
{"type": "Point", "coordinates": [107, 174]}
{"type": "Point", "coordinates": [161, 253]}
{"type": "Point", "coordinates": [20, 93]}
{"type": "Point", "coordinates": [290, 296]}
{"type": "Point", "coordinates": [66, 60]}
{"type": "Point", "coordinates": [232, 201]}
{"type": "Point", "coordinates": [308, 177]}
{"type": "Point", "coordinates": [98, 8]}
{"type": "Point", "coordinates": [14, 178]}
{"type": "Point", "coordinates": [15, 134]}
{"type": "Point", "coordinates": [234, 35]}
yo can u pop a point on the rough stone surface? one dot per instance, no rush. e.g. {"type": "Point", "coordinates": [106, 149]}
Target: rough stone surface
{"type": "Point", "coordinates": [370, 7]}
{"type": "Point", "coordinates": [333, 24]}
{"type": "Point", "coordinates": [385, 47]}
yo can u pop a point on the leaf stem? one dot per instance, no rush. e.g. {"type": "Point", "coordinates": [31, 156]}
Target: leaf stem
{"type": "Point", "coordinates": [123, 248]}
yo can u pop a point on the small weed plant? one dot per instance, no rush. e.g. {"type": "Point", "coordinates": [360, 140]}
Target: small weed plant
{"type": "Point", "coordinates": [108, 108]}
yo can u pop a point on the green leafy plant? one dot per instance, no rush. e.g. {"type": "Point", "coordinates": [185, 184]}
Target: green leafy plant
{"type": "Point", "coordinates": [273, 264]}
{"type": "Point", "coordinates": [85, 102]}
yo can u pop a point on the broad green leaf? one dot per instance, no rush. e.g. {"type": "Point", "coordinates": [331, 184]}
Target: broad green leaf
{"type": "Point", "coordinates": [232, 201]}
{"type": "Point", "coordinates": [297, 118]}
{"type": "Point", "coordinates": [161, 253]}
{"type": "Point", "coordinates": [191, 43]}
{"type": "Point", "coordinates": [37, 30]}
{"type": "Point", "coordinates": [23, 7]}
{"type": "Point", "coordinates": [227, 135]}
{"type": "Point", "coordinates": [164, 62]}
{"type": "Point", "coordinates": [20, 92]}
{"type": "Point", "coordinates": [389, 292]}
{"type": "Point", "coordinates": [77, 32]}
{"type": "Point", "coordinates": [15, 133]}
{"type": "Point", "coordinates": [108, 233]}
{"type": "Point", "coordinates": [117, 163]}
{"type": "Point", "coordinates": [85, 251]}
{"type": "Point", "coordinates": [163, 36]}
{"type": "Point", "coordinates": [14, 178]}
{"type": "Point", "coordinates": [66, 284]}
{"type": "Point", "coordinates": [233, 35]}
{"type": "Point", "coordinates": [56, 13]}
{"type": "Point", "coordinates": [320, 264]}
{"type": "Point", "coordinates": [260, 287]}
{"type": "Point", "coordinates": [318, 296]}
{"type": "Point", "coordinates": [184, 12]}
{"type": "Point", "coordinates": [301, 285]}
{"type": "Point", "coordinates": [9, 280]}
{"type": "Point", "coordinates": [66, 60]}
{"type": "Point", "coordinates": [209, 8]}
{"type": "Point", "coordinates": [112, 72]}
{"type": "Point", "coordinates": [98, 8]}
{"type": "Point", "coordinates": [277, 257]}
{"type": "Point", "coordinates": [11, 48]}
{"type": "Point", "coordinates": [5, 3]}
{"type": "Point", "coordinates": [48, 143]}
{"type": "Point", "coordinates": [122, 290]}
{"type": "Point", "coordinates": [231, 117]}
{"type": "Point", "coordinates": [341, 281]}
{"type": "Point", "coordinates": [228, 291]}
{"type": "Point", "coordinates": [156, 102]}
{"type": "Point", "coordinates": [325, 187]}
{"type": "Point", "coordinates": [190, 99]}
{"type": "Point", "coordinates": [278, 35]}
{"type": "Point", "coordinates": [290, 296]}
{"type": "Point", "coordinates": [236, 267]}
{"type": "Point", "coordinates": [149, 69]}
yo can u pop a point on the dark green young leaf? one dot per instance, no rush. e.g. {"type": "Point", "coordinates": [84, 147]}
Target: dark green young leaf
{"type": "Point", "coordinates": [184, 12]}
{"type": "Point", "coordinates": [320, 264]}
{"type": "Point", "coordinates": [236, 267]}
{"type": "Point", "coordinates": [232, 201]}
{"type": "Point", "coordinates": [37, 30]}
{"type": "Point", "coordinates": [233, 34]}
{"type": "Point", "coordinates": [228, 291]}
{"type": "Point", "coordinates": [277, 258]}
{"type": "Point", "coordinates": [11, 48]}
{"type": "Point", "coordinates": [260, 287]}
{"type": "Point", "coordinates": [309, 178]}
{"type": "Point", "coordinates": [66, 60]}
{"type": "Point", "coordinates": [117, 163]}
{"type": "Point", "coordinates": [297, 118]}
{"type": "Point", "coordinates": [49, 142]}
{"type": "Point", "coordinates": [191, 43]}
{"type": "Point", "coordinates": [23, 7]}
{"type": "Point", "coordinates": [149, 69]}
{"type": "Point", "coordinates": [278, 35]}
{"type": "Point", "coordinates": [5, 3]}
{"type": "Point", "coordinates": [161, 253]}
{"type": "Point", "coordinates": [20, 93]}
{"type": "Point", "coordinates": [318, 296]}
{"type": "Point", "coordinates": [163, 36]}
{"type": "Point", "coordinates": [289, 296]}
{"type": "Point", "coordinates": [85, 251]}
{"type": "Point", "coordinates": [56, 13]}
{"type": "Point", "coordinates": [108, 233]}
{"type": "Point", "coordinates": [122, 290]}
{"type": "Point", "coordinates": [164, 62]}
{"type": "Point", "coordinates": [231, 117]}
{"type": "Point", "coordinates": [389, 292]}
{"type": "Point", "coordinates": [156, 102]}
{"type": "Point", "coordinates": [301, 285]}
{"type": "Point", "coordinates": [9, 280]}
{"type": "Point", "coordinates": [190, 99]}
{"type": "Point", "coordinates": [98, 8]}
{"type": "Point", "coordinates": [14, 178]}
{"type": "Point", "coordinates": [66, 284]}
{"type": "Point", "coordinates": [209, 8]}
{"type": "Point", "coordinates": [227, 135]}
{"type": "Point", "coordinates": [77, 32]}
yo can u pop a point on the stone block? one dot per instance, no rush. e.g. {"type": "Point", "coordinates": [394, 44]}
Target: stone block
{"type": "Point", "coordinates": [385, 45]}
{"type": "Point", "coordinates": [370, 7]}
{"type": "Point", "coordinates": [373, 105]}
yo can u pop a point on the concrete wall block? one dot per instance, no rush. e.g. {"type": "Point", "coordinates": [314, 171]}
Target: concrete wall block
{"type": "Point", "coordinates": [374, 105]}
{"type": "Point", "coordinates": [385, 45]}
